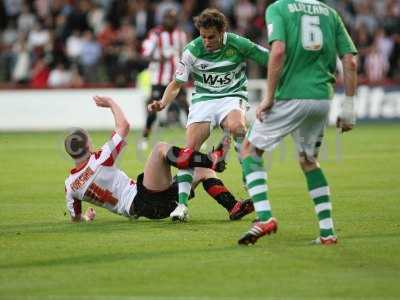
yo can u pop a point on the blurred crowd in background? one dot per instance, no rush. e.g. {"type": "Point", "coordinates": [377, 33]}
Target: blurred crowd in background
{"type": "Point", "coordinates": [71, 43]}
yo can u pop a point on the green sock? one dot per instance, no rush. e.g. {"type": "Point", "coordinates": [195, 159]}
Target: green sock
{"type": "Point", "coordinates": [256, 180]}
{"type": "Point", "coordinates": [184, 179]}
{"type": "Point", "coordinates": [319, 192]}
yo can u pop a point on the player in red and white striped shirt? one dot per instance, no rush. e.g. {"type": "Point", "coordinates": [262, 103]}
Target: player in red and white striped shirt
{"type": "Point", "coordinates": [163, 48]}
{"type": "Point", "coordinates": [96, 179]}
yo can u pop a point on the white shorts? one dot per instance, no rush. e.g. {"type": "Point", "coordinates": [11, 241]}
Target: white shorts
{"type": "Point", "coordinates": [305, 120]}
{"type": "Point", "coordinates": [215, 111]}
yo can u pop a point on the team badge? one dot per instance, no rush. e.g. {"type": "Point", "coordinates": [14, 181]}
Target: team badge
{"type": "Point", "coordinates": [230, 52]}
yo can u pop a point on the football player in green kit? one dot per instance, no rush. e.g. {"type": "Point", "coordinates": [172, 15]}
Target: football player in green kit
{"type": "Point", "coordinates": [306, 36]}
{"type": "Point", "coordinates": [217, 62]}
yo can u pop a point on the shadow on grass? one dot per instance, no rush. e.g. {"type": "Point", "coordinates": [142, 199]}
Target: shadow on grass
{"type": "Point", "coordinates": [118, 257]}
{"type": "Point", "coordinates": [104, 226]}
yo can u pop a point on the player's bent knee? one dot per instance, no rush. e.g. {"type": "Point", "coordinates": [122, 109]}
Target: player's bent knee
{"type": "Point", "coordinates": [161, 148]}
{"type": "Point", "coordinates": [237, 129]}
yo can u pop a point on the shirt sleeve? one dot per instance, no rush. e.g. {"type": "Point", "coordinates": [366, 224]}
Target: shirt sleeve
{"type": "Point", "coordinates": [254, 52]}
{"type": "Point", "coordinates": [344, 43]}
{"type": "Point", "coordinates": [184, 67]}
{"type": "Point", "coordinates": [110, 150]}
{"type": "Point", "coordinates": [149, 45]}
{"type": "Point", "coordinates": [275, 24]}
{"type": "Point", "coordinates": [74, 205]}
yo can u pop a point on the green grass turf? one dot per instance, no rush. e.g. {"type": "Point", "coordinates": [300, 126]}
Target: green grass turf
{"type": "Point", "coordinates": [43, 255]}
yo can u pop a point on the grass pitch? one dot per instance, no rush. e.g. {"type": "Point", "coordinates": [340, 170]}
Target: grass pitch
{"type": "Point", "coordinates": [44, 256]}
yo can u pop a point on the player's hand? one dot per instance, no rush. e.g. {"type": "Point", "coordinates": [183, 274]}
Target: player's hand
{"type": "Point", "coordinates": [89, 215]}
{"type": "Point", "coordinates": [155, 106]}
{"type": "Point", "coordinates": [102, 101]}
{"type": "Point", "coordinates": [262, 108]}
{"type": "Point", "coordinates": [347, 116]}
{"type": "Point", "coordinates": [343, 125]}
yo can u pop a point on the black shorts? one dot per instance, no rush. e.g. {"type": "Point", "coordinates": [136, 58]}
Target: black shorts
{"type": "Point", "coordinates": [154, 205]}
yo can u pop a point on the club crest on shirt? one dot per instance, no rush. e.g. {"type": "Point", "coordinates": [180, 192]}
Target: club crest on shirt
{"type": "Point", "coordinates": [230, 52]}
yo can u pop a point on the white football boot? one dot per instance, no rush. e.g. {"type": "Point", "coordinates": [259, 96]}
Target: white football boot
{"type": "Point", "coordinates": [180, 213]}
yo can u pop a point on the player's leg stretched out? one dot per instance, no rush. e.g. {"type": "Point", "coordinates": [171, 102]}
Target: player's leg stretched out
{"type": "Point", "coordinates": [187, 159]}
{"type": "Point", "coordinates": [256, 180]}
{"type": "Point", "coordinates": [157, 177]}
{"type": "Point", "coordinates": [216, 189]}
{"type": "Point", "coordinates": [235, 124]}
{"type": "Point", "coordinates": [307, 121]}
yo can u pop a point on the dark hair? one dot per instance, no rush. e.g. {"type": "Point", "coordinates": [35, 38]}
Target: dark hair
{"type": "Point", "coordinates": [76, 143]}
{"type": "Point", "coordinates": [211, 17]}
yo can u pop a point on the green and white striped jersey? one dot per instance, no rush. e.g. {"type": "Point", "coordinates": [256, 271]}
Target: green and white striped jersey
{"type": "Point", "coordinates": [221, 73]}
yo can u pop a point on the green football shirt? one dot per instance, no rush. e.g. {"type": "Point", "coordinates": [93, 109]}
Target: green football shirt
{"type": "Point", "coordinates": [314, 35]}
{"type": "Point", "coordinates": [222, 73]}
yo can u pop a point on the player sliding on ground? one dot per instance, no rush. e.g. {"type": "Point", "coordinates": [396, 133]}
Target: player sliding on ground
{"type": "Point", "coordinates": [306, 36]}
{"type": "Point", "coordinates": [217, 62]}
{"type": "Point", "coordinates": [154, 194]}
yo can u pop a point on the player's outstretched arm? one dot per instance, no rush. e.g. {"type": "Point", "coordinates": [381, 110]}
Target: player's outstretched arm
{"type": "Point", "coordinates": [74, 207]}
{"type": "Point", "coordinates": [121, 123]}
{"type": "Point", "coordinates": [347, 117]}
{"type": "Point", "coordinates": [170, 94]}
{"type": "Point", "coordinates": [255, 52]}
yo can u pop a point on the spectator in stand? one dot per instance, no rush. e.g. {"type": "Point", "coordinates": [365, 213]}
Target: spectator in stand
{"type": "Point", "coordinates": [3, 16]}
{"type": "Point", "coordinates": [20, 73]}
{"type": "Point", "coordinates": [365, 16]}
{"type": "Point", "coordinates": [225, 6]}
{"type": "Point", "coordinates": [7, 55]}
{"type": "Point", "coordinates": [129, 61]}
{"type": "Point", "coordinates": [78, 18]}
{"type": "Point", "coordinates": [59, 19]}
{"type": "Point", "coordinates": [245, 11]}
{"type": "Point", "coordinates": [74, 46]}
{"type": "Point", "coordinates": [391, 23]}
{"type": "Point", "coordinates": [26, 20]}
{"type": "Point", "coordinates": [38, 36]}
{"type": "Point", "coordinates": [186, 17]}
{"type": "Point", "coordinates": [12, 8]}
{"type": "Point", "coordinates": [143, 18]}
{"type": "Point", "coordinates": [384, 44]}
{"type": "Point", "coordinates": [376, 65]}
{"type": "Point", "coordinates": [89, 57]}
{"type": "Point", "coordinates": [40, 74]}
{"type": "Point", "coordinates": [108, 41]}
{"type": "Point", "coordinates": [60, 77]}
{"type": "Point", "coordinates": [96, 18]}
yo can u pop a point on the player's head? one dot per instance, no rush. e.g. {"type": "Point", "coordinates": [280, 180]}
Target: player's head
{"type": "Point", "coordinates": [77, 144]}
{"type": "Point", "coordinates": [212, 25]}
{"type": "Point", "coordinates": [170, 19]}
